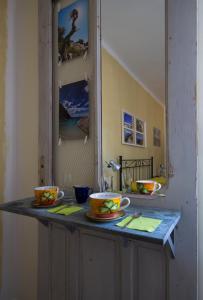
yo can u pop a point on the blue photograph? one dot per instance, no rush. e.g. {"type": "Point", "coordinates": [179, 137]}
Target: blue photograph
{"type": "Point", "coordinates": [139, 139]}
{"type": "Point", "coordinates": [73, 31]}
{"type": "Point", "coordinates": [128, 120]}
{"type": "Point", "coordinates": [128, 136]}
{"type": "Point", "coordinates": [74, 110]}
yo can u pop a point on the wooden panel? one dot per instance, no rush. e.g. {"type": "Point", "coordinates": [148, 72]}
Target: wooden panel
{"type": "Point", "coordinates": [58, 263]}
{"type": "Point", "coordinates": [151, 275]}
{"type": "Point", "coordinates": [128, 269]}
{"type": "Point", "coordinates": [87, 266]}
{"type": "Point", "coordinates": [45, 91]}
{"type": "Point", "coordinates": [44, 271]}
{"type": "Point", "coordinates": [99, 268]}
{"type": "Point", "coordinates": [72, 265]}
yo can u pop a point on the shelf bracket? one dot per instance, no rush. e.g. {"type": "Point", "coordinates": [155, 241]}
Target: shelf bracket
{"type": "Point", "coordinates": [171, 244]}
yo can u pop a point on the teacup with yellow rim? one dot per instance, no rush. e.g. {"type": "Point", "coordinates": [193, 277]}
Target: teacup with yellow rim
{"type": "Point", "coordinates": [148, 186]}
{"type": "Point", "coordinates": [107, 204]}
{"type": "Point", "coordinates": [47, 195]}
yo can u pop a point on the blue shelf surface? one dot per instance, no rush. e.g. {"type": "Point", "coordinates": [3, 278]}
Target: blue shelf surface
{"type": "Point", "coordinates": [160, 236]}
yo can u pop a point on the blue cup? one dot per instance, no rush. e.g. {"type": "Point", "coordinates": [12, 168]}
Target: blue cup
{"type": "Point", "coordinates": [82, 193]}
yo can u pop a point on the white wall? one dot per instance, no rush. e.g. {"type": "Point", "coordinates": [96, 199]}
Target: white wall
{"type": "Point", "coordinates": [20, 233]}
{"type": "Point", "coordinates": [181, 193]}
{"type": "Point", "coordinates": [200, 147]}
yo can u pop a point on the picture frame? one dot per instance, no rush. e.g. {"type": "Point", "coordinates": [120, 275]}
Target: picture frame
{"type": "Point", "coordinates": [133, 130]}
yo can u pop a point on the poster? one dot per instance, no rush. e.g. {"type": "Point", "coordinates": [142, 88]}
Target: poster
{"type": "Point", "coordinates": [74, 110]}
{"type": "Point", "coordinates": [73, 31]}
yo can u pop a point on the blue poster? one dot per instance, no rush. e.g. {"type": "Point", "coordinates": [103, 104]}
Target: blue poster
{"type": "Point", "coordinates": [74, 110]}
{"type": "Point", "coordinates": [73, 31]}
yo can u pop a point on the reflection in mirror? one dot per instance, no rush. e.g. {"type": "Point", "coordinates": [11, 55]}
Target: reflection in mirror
{"type": "Point", "coordinates": [133, 93]}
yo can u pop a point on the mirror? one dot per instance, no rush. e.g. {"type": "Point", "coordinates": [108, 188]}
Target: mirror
{"type": "Point", "coordinates": [133, 93]}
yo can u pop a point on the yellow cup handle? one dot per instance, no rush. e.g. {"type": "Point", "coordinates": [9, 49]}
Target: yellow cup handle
{"type": "Point", "coordinates": [123, 206]}
{"type": "Point", "coordinates": [158, 187]}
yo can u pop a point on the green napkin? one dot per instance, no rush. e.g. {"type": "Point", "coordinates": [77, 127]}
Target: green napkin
{"type": "Point", "coordinates": [141, 223]}
{"type": "Point", "coordinates": [65, 210]}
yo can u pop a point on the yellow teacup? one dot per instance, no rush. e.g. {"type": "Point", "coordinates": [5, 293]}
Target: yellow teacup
{"type": "Point", "coordinates": [47, 195]}
{"type": "Point", "coordinates": [148, 186]}
{"type": "Point", "coordinates": [107, 204]}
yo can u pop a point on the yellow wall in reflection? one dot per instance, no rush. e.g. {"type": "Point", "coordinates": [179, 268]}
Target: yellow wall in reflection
{"type": "Point", "coordinates": [120, 91]}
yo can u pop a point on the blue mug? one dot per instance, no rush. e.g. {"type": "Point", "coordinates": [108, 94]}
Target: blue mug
{"type": "Point", "coordinates": [82, 193]}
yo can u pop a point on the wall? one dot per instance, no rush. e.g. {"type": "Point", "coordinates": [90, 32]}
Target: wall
{"type": "Point", "coordinates": [74, 159]}
{"type": "Point", "coordinates": [120, 91]}
{"type": "Point", "coordinates": [200, 147]}
{"type": "Point", "coordinates": [20, 233]}
{"type": "Point", "coordinates": [3, 48]}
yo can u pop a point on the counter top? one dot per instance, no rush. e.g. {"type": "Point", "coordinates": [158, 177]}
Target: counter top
{"type": "Point", "coordinates": [160, 236]}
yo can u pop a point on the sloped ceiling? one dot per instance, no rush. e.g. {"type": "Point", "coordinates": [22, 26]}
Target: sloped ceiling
{"type": "Point", "coordinates": [134, 31]}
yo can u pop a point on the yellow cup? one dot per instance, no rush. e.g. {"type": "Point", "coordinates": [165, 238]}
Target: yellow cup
{"type": "Point", "coordinates": [107, 204]}
{"type": "Point", "coordinates": [148, 186]}
{"type": "Point", "coordinates": [47, 195]}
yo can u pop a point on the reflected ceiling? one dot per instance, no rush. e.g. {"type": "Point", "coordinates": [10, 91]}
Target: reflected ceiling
{"type": "Point", "coordinates": [140, 24]}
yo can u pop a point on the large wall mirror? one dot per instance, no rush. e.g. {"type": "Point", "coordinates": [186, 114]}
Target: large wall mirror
{"type": "Point", "coordinates": [133, 93]}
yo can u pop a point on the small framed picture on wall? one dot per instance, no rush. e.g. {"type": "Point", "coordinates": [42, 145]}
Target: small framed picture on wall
{"type": "Point", "coordinates": [128, 124]}
{"type": "Point", "coordinates": [140, 133]}
{"type": "Point", "coordinates": [133, 130]}
{"type": "Point", "coordinates": [128, 120]}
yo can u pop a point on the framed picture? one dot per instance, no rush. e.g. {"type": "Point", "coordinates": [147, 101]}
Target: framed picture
{"type": "Point", "coordinates": [139, 139]}
{"type": "Point", "coordinates": [129, 136]}
{"type": "Point", "coordinates": [139, 126]}
{"type": "Point", "coordinates": [128, 120]}
{"type": "Point", "coordinates": [133, 130]}
{"type": "Point", "coordinates": [73, 31]}
{"type": "Point", "coordinates": [156, 137]}
{"type": "Point", "coordinates": [74, 110]}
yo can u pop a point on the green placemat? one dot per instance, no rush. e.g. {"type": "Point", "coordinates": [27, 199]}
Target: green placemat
{"type": "Point", "coordinates": [141, 223]}
{"type": "Point", "coordinates": [64, 210]}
